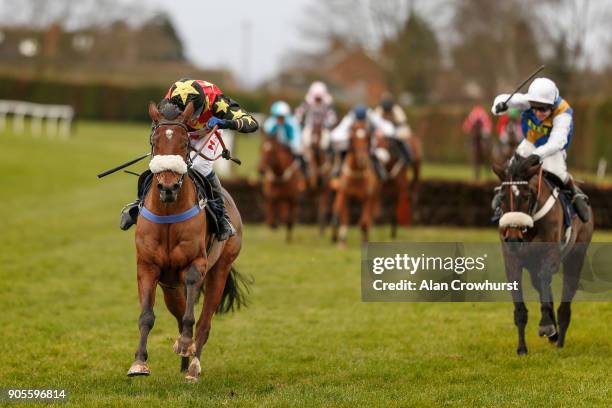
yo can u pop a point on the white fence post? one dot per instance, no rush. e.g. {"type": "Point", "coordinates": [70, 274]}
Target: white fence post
{"type": "Point", "coordinates": [59, 118]}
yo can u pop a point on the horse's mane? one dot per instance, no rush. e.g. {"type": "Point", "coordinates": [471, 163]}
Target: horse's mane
{"type": "Point", "coordinates": [517, 169]}
{"type": "Point", "coordinates": [168, 110]}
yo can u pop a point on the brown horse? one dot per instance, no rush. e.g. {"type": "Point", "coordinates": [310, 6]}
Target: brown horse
{"type": "Point", "coordinates": [283, 182]}
{"type": "Point", "coordinates": [479, 147]}
{"type": "Point", "coordinates": [533, 237]}
{"type": "Point", "coordinates": [357, 181]}
{"type": "Point", "coordinates": [320, 166]}
{"type": "Point", "coordinates": [396, 185]}
{"type": "Point", "coordinates": [175, 249]}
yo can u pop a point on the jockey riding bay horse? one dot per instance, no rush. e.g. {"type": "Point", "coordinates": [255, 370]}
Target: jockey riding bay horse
{"type": "Point", "coordinates": [396, 185]}
{"type": "Point", "coordinates": [175, 247]}
{"type": "Point", "coordinates": [479, 148]}
{"type": "Point", "coordinates": [357, 181]}
{"type": "Point", "coordinates": [320, 166]}
{"type": "Point", "coordinates": [283, 182]}
{"type": "Point", "coordinates": [534, 236]}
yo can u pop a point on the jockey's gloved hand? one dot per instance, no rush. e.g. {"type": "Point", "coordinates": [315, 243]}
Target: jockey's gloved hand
{"type": "Point", "coordinates": [220, 123]}
{"type": "Point", "coordinates": [501, 107]}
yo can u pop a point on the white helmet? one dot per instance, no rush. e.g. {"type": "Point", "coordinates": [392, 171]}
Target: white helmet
{"type": "Point", "coordinates": [280, 108]}
{"type": "Point", "coordinates": [543, 90]}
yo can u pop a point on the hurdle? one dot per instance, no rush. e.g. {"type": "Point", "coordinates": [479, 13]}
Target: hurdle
{"type": "Point", "coordinates": [58, 118]}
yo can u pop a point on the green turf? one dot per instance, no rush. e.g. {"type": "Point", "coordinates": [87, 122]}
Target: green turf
{"type": "Point", "coordinates": [69, 310]}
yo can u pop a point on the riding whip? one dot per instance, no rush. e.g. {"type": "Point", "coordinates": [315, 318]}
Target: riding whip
{"type": "Point", "coordinates": [124, 165]}
{"type": "Point", "coordinates": [504, 103]}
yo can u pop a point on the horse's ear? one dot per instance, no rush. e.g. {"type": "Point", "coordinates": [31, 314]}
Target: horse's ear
{"type": "Point", "coordinates": [500, 170]}
{"type": "Point", "coordinates": [186, 115]}
{"type": "Point", "coordinates": [154, 113]}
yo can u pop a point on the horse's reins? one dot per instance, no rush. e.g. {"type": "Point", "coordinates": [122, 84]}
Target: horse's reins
{"type": "Point", "coordinates": [547, 205]}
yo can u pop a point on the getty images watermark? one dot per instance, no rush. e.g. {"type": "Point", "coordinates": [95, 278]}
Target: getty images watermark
{"type": "Point", "coordinates": [468, 272]}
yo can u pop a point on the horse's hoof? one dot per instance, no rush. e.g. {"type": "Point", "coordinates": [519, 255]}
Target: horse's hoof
{"type": "Point", "coordinates": [193, 373]}
{"type": "Point", "coordinates": [341, 245]}
{"type": "Point", "coordinates": [521, 351]}
{"type": "Point", "coordinates": [138, 368]}
{"type": "Point", "coordinates": [548, 331]}
{"type": "Point", "coordinates": [553, 339]}
{"type": "Point", "coordinates": [184, 347]}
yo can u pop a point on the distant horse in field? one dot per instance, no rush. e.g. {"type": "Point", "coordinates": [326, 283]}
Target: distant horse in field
{"type": "Point", "coordinates": [320, 167]}
{"type": "Point", "coordinates": [176, 248]}
{"type": "Point", "coordinates": [533, 236]}
{"type": "Point", "coordinates": [479, 148]}
{"type": "Point", "coordinates": [282, 184]}
{"type": "Point", "coordinates": [357, 181]}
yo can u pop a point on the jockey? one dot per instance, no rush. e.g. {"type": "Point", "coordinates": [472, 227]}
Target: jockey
{"type": "Point", "coordinates": [283, 126]}
{"type": "Point", "coordinates": [478, 116]}
{"type": "Point", "coordinates": [548, 127]}
{"type": "Point", "coordinates": [316, 112]}
{"type": "Point", "coordinates": [508, 127]}
{"type": "Point", "coordinates": [211, 108]}
{"type": "Point", "coordinates": [394, 113]}
{"type": "Point", "coordinates": [341, 133]}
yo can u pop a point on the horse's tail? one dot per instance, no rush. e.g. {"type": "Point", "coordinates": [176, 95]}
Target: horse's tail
{"type": "Point", "coordinates": [235, 292]}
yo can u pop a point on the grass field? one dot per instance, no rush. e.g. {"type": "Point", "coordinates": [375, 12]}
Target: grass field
{"type": "Point", "coordinates": [69, 310]}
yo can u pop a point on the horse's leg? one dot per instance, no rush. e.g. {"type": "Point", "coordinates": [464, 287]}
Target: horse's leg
{"type": "Point", "coordinates": [572, 267]}
{"type": "Point", "coordinates": [148, 276]}
{"type": "Point", "coordinates": [175, 302]}
{"type": "Point", "coordinates": [514, 274]}
{"type": "Point", "coordinates": [214, 286]}
{"type": "Point", "coordinates": [270, 217]}
{"type": "Point", "coordinates": [541, 278]}
{"type": "Point", "coordinates": [336, 212]}
{"type": "Point", "coordinates": [184, 345]}
{"type": "Point", "coordinates": [366, 218]}
{"type": "Point", "coordinates": [345, 216]}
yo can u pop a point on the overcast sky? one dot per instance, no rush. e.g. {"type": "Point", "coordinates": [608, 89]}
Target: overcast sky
{"type": "Point", "coordinates": [219, 33]}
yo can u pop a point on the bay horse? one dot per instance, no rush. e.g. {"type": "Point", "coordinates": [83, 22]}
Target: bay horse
{"type": "Point", "coordinates": [282, 183]}
{"type": "Point", "coordinates": [320, 167]}
{"type": "Point", "coordinates": [479, 147]}
{"type": "Point", "coordinates": [533, 237]}
{"type": "Point", "coordinates": [357, 181]}
{"type": "Point", "coordinates": [396, 187]}
{"type": "Point", "coordinates": [176, 250]}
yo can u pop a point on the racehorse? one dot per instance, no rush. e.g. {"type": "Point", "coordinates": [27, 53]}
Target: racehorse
{"type": "Point", "coordinates": [357, 181]}
{"type": "Point", "coordinates": [283, 182]}
{"type": "Point", "coordinates": [479, 145]}
{"type": "Point", "coordinates": [506, 148]}
{"type": "Point", "coordinates": [396, 185]}
{"type": "Point", "coordinates": [175, 249]}
{"type": "Point", "coordinates": [320, 166]}
{"type": "Point", "coordinates": [533, 237]}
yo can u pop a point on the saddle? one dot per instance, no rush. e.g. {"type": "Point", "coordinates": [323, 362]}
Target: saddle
{"type": "Point", "coordinates": [204, 191]}
{"type": "Point", "coordinates": [565, 197]}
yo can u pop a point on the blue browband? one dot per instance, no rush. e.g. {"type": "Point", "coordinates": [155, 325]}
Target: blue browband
{"type": "Point", "coordinates": [170, 219]}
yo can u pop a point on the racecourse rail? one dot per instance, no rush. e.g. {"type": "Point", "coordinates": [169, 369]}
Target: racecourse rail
{"type": "Point", "coordinates": [440, 202]}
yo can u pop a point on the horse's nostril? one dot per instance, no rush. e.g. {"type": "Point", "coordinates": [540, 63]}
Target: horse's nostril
{"type": "Point", "coordinates": [160, 186]}
{"type": "Point", "coordinates": [176, 186]}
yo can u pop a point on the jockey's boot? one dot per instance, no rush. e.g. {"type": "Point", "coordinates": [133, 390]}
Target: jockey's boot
{"type": "Point", "coordinates": [496, 204]}
{"type": "Point", "coordinates": [129, 215]}
{"type": "Point", "coordinates": [380, 170]}
{"type": "Point", "coordinates": [226, 229]}
{"type": "Point", "coordinates": [338, 164]}
{"type": "Point", "coordinates": [404, 151]}
{"type": "Point", "coordinates": [303, 165]}
{"type": "Point", "coordinates": [580, 201]}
